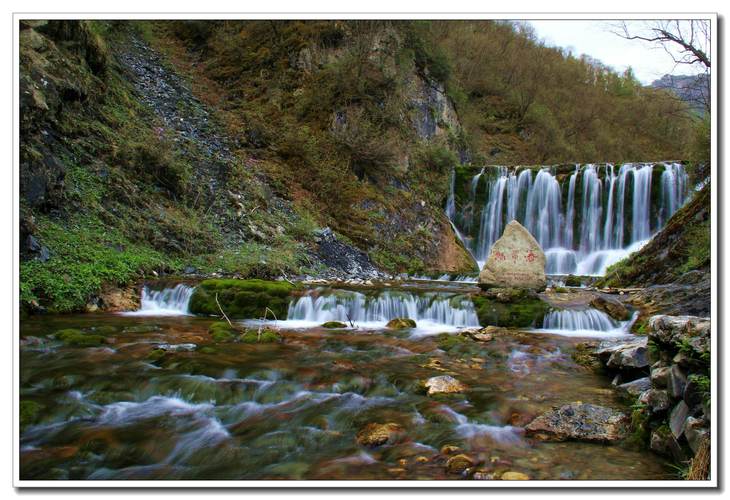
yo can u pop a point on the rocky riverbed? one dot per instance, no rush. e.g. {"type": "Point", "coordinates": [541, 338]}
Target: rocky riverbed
{"type": "Point", "coordinates": [110, 396]}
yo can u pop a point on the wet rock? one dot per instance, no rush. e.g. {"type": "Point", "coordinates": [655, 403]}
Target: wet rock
{"type": "Point", "coordinates": [694, 393]}
{"type": "Point", "coordinates": [677, 382]}
{"type": "Point", "coordinates": [114, 299]}
{"type": "Point", "coordinates": [444, 384]}
{"type": "Point", "coordinates": [459, 463]}
{"type": "Point", "coordinates": [515, 261]}
{"type": "Point", "coordinates": [514, 476]}
{"type": "Point", "coordinates": [677, 417]}
{"type": "Point", "coordinates": [636, 387]}
{"type": "Point", "coordinates": [625, 355]}
{"type": "Point", "coordinates": [375, 434]}
{"type": "Point", "coordinates": [448, 449]}
{"type": "Point", "coordinates": [664, 443]}
{"type": "Point", "coordinates": [579, 421]}
{"type": "Point", "coordinates": [611, 306]}
{"type": "Point", "coordinates": [660, 377]}
{"type": "Point", "coordinates": [656, 399]}
{"type": "Point", "coordinates": [400, 323]}
{"type": "Point", "coordinates": [691, 331]}
{"type": "Point", "coordinates": [695, 430]}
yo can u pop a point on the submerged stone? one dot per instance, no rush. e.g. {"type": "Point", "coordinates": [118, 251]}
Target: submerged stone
{"type": "Point", "coordinates": [514, 476]}
{"type": "Point", "coordinates": [516, 260]}
{"type": "Point", "coordinates": [444, 384]}
{"type": "Point", "coordinates": [459, 463]}
{"type": "Point", "coordinates": [375, 434]}
{"type": "Point", "coordinates": [579, 421]}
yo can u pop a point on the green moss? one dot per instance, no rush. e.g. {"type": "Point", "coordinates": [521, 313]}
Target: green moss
{"type": "Point", "coordinates": [334, 324]}
{"type": "Point", "coordinates": [698, 248]}
{"type": "Point", "coordinates": [523, 314]}
{"type": "Point", "coordinates": [221, 331]}
{"type": "Point", "coordinates": [640, 426]}
{"type": "Point", "coordinates": [84, 255]}
{"type": "Point", "coordinates": [242, 298]}
{"type": "Point", "coordinates": [401, 323]}
{"type": "Point", "coordinates": [208, 350]}
{"type": "Point", "coordinates": [156, 355]}
{"type": "Point", "coordinates": [266, 336]}
{"type": "Point", "coordinates": [29, 413]}
{"type": "Point", "coordinates": [447, 342]}
{"type": "Point", "coordinates": [78, 338]}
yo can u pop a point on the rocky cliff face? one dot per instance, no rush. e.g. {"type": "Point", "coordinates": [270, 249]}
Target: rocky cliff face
{"type": "Point", "coordinates": [128, 168]}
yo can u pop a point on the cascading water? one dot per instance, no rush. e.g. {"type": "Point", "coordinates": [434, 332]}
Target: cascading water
{"type": "Point", "coordinates": [584, 222]}
{"type": "Point", "coordinates": [579, 323]}
{"type": "Point", "coordinates": [166, 302]}
{"type": "Point", "coordinates": [432, 311]}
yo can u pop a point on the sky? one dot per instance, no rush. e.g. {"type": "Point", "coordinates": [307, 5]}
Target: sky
{"type": "Point", "coordinates": [595, 39]}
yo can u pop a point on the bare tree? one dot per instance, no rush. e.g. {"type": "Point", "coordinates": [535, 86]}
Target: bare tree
{"type": "Point", "coordinates": [687, 41]}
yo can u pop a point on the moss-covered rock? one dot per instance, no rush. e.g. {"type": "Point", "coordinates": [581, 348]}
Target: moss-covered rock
{"type": "Point", "coordinates": [79, 338]}
{"type": "Point", "coordinates": [29, 413]}
{"type": "Point", "coordinates": [221, 331]}
{"type": "Point", "coordinates": [528, 312]}
{"type": "Point", "coordinates": [334, 324]}
{"type": "Point", "coordinates": [241, 298]}
{"type": "Point", "coordinates": [447, 342]}
{"type": "Point", "coordinates": [267, 336]}
{"type": "Point", "coordinates": [400, 323]}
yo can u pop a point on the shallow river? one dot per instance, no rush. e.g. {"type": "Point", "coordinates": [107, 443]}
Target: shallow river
{"type": "Point", "coordinates": [292, 410]}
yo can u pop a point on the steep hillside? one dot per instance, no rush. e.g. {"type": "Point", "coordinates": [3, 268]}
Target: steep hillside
{"type": "Point", "coordinates": [229, 147]}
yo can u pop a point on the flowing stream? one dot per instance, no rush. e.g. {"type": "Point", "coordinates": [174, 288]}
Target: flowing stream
{"type": "Point", "coordinates": [585, 220]}
{"type": "Point", "coordinates": [293, 410]}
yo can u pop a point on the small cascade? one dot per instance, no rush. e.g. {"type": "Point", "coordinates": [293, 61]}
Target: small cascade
{"type": "Point", "coordinates": [585, 323]}
{"type": "Point", "coordinates": [584, 221]}
{"type": "Point", "coordinates": [431, 311]}
{"type": "Point", "coordinates": [166, 302]}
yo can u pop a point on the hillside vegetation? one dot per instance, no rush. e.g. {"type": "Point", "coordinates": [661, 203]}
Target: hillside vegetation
{"type": "Point", "coordinates": [222, 146]}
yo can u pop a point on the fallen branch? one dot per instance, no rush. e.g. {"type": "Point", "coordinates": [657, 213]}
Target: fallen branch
{"type": "Point", "coordinates": [261, 326]}
{"type": "Point", "coordinates": [224, 314]}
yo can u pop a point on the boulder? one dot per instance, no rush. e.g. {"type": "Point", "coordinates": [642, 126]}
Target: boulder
{"type": "Point", "coordinates": [660, 377]}
{"type": "Point", "coordinates": [656, 399]}
{"type": "Point", "coordinates": [636, 387]}
{"type": "Point", "coordinates": [400, 323]}
{"type": "Point", "coordinates": [677, 417]}
{"type": "Point", "coordinates": [375, 434]}
{"type": "Point", "coordinates": [627, 355]}
{"type": "Point", "coordinates": [334, 324]}
{"type": "Point", "coordinates": [663, 442]}
{"type": "Point", "coordinates": [444, 384]}
{"type": "Point", "coordinates": [695, 430]}
{"type": "Point", "coordinates": [515, 261]}
{"type": "Point", "coordinates": [691, 331]}
{"type": "Point", "coordinates": [611, 306]}
{"type": "Point", "coordinates": [579, 421]}
{"type": "Point", "coordinates": [677, 382]}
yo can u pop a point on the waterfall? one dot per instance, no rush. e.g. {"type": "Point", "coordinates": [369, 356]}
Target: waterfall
{"type": "Point", "coordinates": [435, 311]}
{"type": "Point", "coordinates": [166, 302]}
{"type": "Point", "coordinates": [590, 322]}
{"type": "Point", "coordinates": [607, 212]}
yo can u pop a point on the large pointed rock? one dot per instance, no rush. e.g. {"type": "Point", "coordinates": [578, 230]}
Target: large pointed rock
{"type": "Point", "coordinates": [515, 261]}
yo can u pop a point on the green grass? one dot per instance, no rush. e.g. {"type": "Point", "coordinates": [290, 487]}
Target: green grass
{"type": "Point", "coordinates": [85, 254]}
